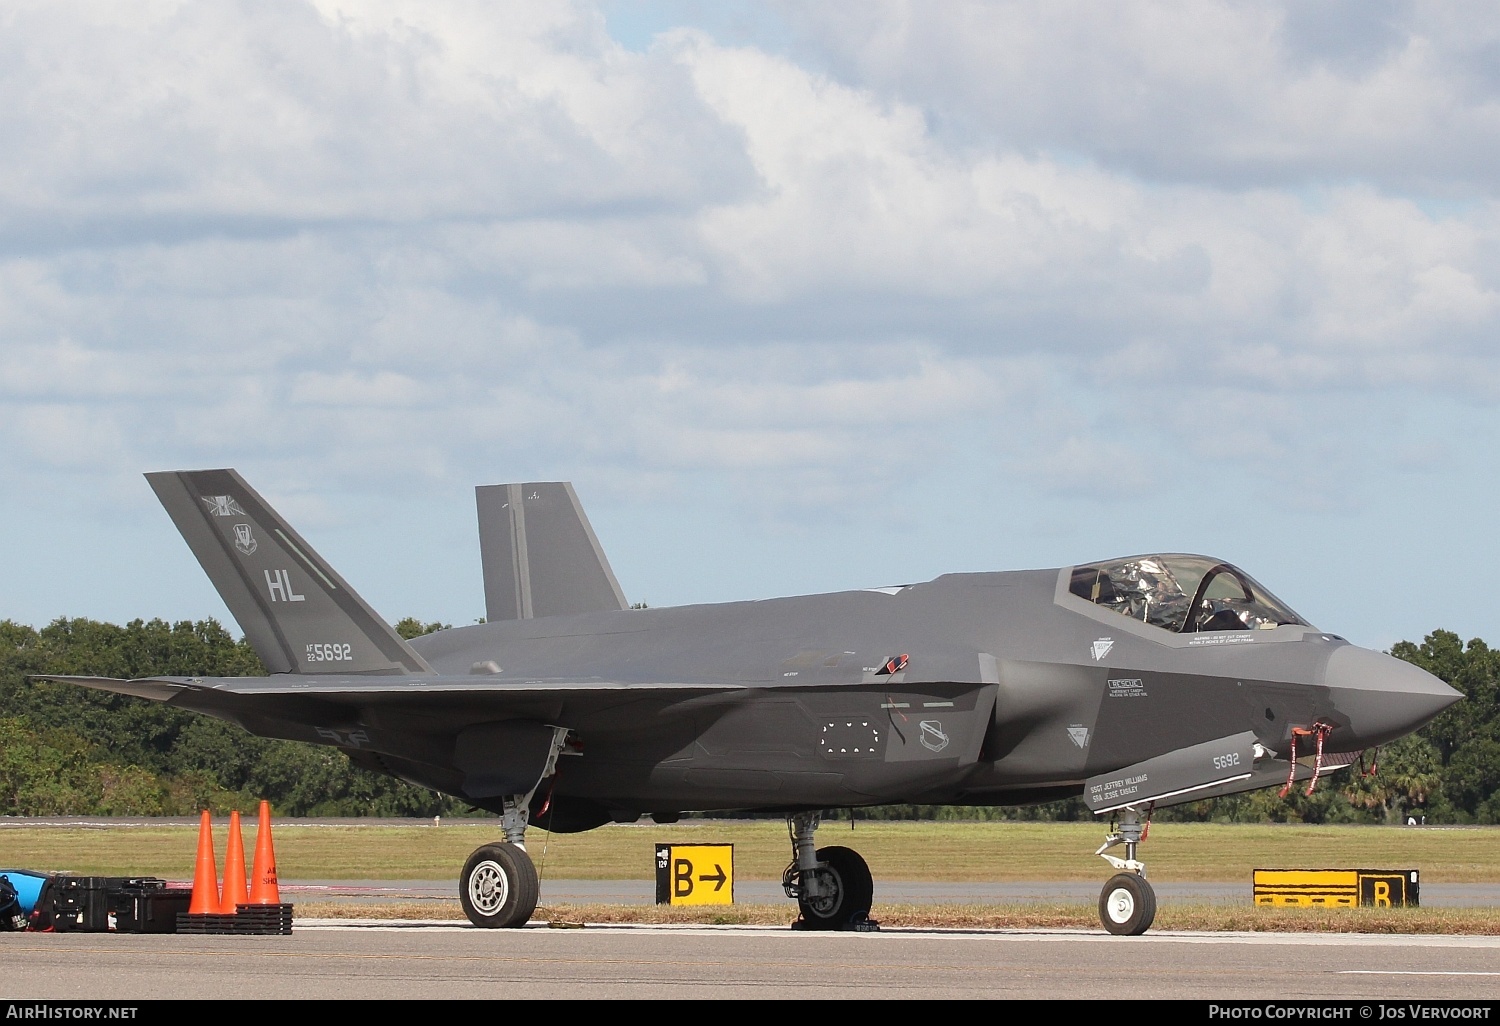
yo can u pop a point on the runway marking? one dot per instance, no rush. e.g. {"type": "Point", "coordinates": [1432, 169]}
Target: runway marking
{"type": "Point", "coordinates": [1412, 972]}
{"type": "Point", "coordinates": [546, 960]}
{"type": "Point", "coordinates": [893, 933]}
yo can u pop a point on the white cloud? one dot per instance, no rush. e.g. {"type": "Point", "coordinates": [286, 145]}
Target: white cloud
{"type": "Point", "coordinates": [417, 244]}
{"type": "Point", "coordinates": [1214, 92]}
{"type": "Point", "coordinates": [67, 437]}
{"type": "Point", "coordinates": [277, 116]}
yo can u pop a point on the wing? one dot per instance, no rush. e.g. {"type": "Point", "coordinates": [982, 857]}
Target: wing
{"type": "Point", "coordinates": [353, 690]}
{"type": "Point", "coordinates": [472, 737]}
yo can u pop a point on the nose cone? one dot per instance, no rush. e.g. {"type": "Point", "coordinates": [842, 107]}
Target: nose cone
{"type": "Point", "coordinates": [1383, 697]}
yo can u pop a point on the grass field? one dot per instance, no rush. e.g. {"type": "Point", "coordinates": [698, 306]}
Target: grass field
{"type": "Point", "coordinates": [1217, 918]}
{"type": "Point", "coordinates": [934, 851]}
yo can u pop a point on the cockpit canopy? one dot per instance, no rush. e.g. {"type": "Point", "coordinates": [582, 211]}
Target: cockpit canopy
{"type": "Point", "coordinates": [1181, 593]}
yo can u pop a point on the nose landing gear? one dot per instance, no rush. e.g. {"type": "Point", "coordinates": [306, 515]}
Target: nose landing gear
{"type": "Point", "coordinates": [1127, 905]}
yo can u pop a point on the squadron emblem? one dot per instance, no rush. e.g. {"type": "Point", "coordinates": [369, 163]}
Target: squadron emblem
{"type": "Point", "coordinates": [244, 540]}
{"type": "Point", "coordinates": [223, 505]}
{"type": "Point", "coordinates": [932, 737]}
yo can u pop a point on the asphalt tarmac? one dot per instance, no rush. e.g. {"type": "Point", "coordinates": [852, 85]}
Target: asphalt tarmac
{"type": "Point", "coordinates": [373, 961]}
{"type": "Point", "coordinates": [897, 892]}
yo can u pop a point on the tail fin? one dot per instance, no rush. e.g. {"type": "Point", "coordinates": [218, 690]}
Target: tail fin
{"type": "Point", "coordinates": [296, 612]}
{"type": "Point", "coordinates": [540, 555]}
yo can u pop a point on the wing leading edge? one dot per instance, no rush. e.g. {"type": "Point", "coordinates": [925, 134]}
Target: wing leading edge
{"type": "Point", "coordinates": [356, 689]}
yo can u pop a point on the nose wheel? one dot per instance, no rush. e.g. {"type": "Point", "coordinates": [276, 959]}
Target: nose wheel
{"type": "Point", "coordinates": [1127, 905]}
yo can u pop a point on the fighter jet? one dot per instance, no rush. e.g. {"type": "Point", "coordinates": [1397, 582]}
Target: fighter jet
{"type": "Point", "coordinates": [1137, 683]}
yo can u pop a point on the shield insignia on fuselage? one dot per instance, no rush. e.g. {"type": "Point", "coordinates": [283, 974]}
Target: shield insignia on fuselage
{"type": "Point", "coordinates": [932, 737]}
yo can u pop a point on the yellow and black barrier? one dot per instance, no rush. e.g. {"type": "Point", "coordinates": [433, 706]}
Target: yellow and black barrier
{"type": "Point", "coordinates": [695, 874]}
{"type": "Point", "coordinates": [1336, 888]}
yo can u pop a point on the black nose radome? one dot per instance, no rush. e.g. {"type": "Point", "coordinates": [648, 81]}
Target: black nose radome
{"type": "Point", "coordinates": [1383, 697]}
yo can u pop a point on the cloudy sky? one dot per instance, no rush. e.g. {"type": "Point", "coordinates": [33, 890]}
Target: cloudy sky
{"type": "Point", "coordinates": [801, 297]}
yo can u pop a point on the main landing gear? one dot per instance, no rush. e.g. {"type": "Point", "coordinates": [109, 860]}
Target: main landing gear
{"type": "Point", "coordinates": [1127, 905]}
{"type": "Point", "coordinates": [832, 886]}
{"type": "Point", "coordinates": [499, 886]}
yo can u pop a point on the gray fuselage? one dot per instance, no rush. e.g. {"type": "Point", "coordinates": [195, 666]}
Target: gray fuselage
{"type": "Point", "coordinates": [1013, 691]}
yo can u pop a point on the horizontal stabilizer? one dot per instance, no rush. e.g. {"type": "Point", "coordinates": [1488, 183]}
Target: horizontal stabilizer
{"type": "Point", "coordinates": [540, 554]}
{"type": "Point", "coordinates": [297, 613]}
{"type": "Point", "coordinates": [156, 690]}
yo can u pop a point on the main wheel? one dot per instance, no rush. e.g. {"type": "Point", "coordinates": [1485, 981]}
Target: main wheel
{"type": "Point", "coordinates": [851, 895]}
{"type": "Point", "coordinates": [498, 887]}
{"type": "Point", "coordinates": [1127, 905]}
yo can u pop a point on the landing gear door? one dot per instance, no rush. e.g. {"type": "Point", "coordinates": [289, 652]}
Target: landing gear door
{"type": "Point", "coordinates": [1179, 776]}
{"type": "Point", "coordinates": [505, 758]}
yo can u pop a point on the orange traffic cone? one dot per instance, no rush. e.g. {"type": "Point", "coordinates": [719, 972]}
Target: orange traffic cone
{"type": "Point", "coordinates": [205, 873]}
{"type": "Point", "coordinates": [234, 870]}
{"type": "Point", "coordinates": [263, 888]}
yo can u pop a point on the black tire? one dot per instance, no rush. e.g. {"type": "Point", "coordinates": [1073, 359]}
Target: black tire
{"type": "Point", "coordinates": [498, 887]}
{"type": "Point", "coordinates": [1127, 905]}
{"type": "Point", "coordinates": [854, 891]}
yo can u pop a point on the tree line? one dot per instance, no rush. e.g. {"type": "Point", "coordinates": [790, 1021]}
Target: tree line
{"type": "Point", "coordinates": [67, 750]}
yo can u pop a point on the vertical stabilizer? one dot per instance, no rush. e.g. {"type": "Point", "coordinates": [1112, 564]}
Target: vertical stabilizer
{"type": "Point", "coordinates": [296, 611]}
{"type": "Point", "coordinates": [540, 555]}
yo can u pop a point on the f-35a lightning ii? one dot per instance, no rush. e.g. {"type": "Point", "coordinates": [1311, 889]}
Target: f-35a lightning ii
{"type": "Point", "coordinates": [1137, 683]}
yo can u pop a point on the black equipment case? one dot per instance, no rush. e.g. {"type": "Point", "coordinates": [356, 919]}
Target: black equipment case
{"type": "Point", "coordinates": [97, 904]}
